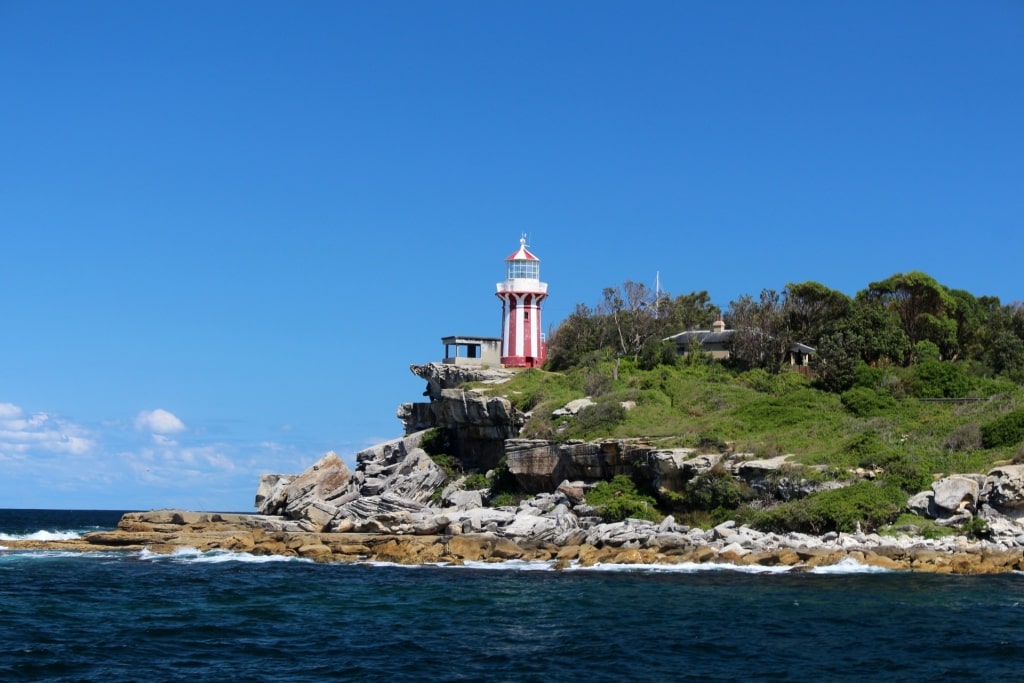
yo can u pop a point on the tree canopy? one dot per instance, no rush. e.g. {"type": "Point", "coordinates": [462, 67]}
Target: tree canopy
{"type": "Point", "coordinates": [886, 323]}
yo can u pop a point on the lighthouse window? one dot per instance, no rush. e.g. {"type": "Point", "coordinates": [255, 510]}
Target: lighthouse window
{"type": "Point", "coordinates": [523, 269]}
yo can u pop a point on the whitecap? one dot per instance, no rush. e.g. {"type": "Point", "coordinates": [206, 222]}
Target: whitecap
{"type": "Point", "coordinates": [42, 535]}
{"type": "Point", "coordinates": [849, 565]}
{"type": "Point", "coordinates": [517, 565]}
{"type": "Point", "coordinates": [187, 554]}
{"type": "Point", "coordinates": [681, 568]}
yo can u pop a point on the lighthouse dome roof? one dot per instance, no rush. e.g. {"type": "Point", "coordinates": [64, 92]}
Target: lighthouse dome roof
{"type": "Point", "coordinates": [522, 254]}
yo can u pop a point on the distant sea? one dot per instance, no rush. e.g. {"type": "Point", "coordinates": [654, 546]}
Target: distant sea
{"type": "Point", "coordinates": [134, 616]}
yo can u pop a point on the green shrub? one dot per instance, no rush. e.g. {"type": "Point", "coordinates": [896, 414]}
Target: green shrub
{"type": "Point", "coordinates": [938, 379]}
{"type": "Point", "coordinates": [867, 376]}
{"type": "Point", "coordinates": [713, 490]}
{"type": "Point", "coordinates": [864, 402]}
{"type": "Point", "coordinates": [504, 487]}
{"type": "Point", "coordinates": [965, 437]}
{"type": "Point", "coordinates": [657, 352]}
{"type": "Point", "coordinates": [865, 449]}
{"type": "Point", "coordinates": [600, 417]}
{"type": "Point", "coordinates": [915, 525]}
{"type": "Point", "coordinates": [865, 503]}
{"type": "Point", "coordinates": [475, 482]}
{"type": "Point", "coordinates": [908, 473]}
{"type": "Point", "coordinates": [770, 413]}
{"type": "Point", "coordinates": [925, 351]}
{"type": "Point", "coordinates": [618, 499]}
{"type": "Point", "coordinates": [1007, 430]}
{"type": "Point", "coordinates": [436, 442]}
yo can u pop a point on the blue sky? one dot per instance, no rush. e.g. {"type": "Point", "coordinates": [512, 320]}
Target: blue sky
{"type": "Point", "coordinates": [227, 229]}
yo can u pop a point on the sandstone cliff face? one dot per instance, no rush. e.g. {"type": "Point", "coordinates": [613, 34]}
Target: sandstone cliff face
{"type": "Point", "coordinates": [477, 425]}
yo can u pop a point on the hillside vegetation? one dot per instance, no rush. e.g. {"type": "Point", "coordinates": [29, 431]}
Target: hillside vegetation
{"type": "Point", "coordinates": [911, 381]}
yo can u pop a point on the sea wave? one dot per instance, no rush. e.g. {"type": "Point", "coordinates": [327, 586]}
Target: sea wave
{"type": "Point", "coordinates": [42, 535]}
{"type": "Point", "coordinates": [34, 554]}
{"type": "Point", "coordinates": [849, 566]}
{"type": "Point", "coordinates": [187, 554]}
{"type": "Point", "coordinates": [846, 566]}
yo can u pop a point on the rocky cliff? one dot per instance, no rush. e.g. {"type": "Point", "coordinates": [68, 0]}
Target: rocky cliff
{"type": "Point", "coordinates": [397, 488]}
{"type": "Point", "coordinates": [400, 505]}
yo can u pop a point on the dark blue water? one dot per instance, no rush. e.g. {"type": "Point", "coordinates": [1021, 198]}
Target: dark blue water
{"type": "Point", "coordinates": [129, 616]}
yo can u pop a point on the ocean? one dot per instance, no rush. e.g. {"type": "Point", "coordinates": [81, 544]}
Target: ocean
{"type": "Point", "coordinates": [134, 616]}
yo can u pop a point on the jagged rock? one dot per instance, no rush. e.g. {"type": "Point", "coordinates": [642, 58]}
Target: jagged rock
{"type": "Point", "coordinates": [671, 468]}
{"type": "Point", "coordinates": [573, 491]}
{"type": "Point", "coordinates": [539, 465]}
{"type": "Point", "coordinates": [955, 519]}
{"type": "Point", "coordinates": [955, 493]}
{"type": "Point", "coordinates": [758, 469]}
{"type": "Point", "coordinates": [464, 500]}
{"type": "Point", "coordinates": [416, 417]}
{"type": "Point", "coordinates": [1004, 488]}
{"type": "Point", "coordinates": [573, 407]}
{"type": "Point", "coordinates": [441, 376]}
{"type": "Point", "coordinates": [324, 480]}
{"type": "Point", "coordinates": [923, 504]}
{"type": "Point", "coordinates": [477, 425]}
{"type": "Point", "coordinates": [270, 493]}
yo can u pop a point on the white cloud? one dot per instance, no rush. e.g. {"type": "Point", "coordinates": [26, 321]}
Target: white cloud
{"type": "Point", "coordinates": [159, 421]}
{"type": "Point", "coordinates": [20, 433]}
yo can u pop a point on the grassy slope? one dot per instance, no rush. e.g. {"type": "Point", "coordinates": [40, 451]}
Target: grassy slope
{"type": "Point", "coordinates": [766, 415]}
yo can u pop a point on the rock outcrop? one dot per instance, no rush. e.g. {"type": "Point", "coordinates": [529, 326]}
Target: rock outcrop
{"type": "Point", "coordinates": [536, 532]}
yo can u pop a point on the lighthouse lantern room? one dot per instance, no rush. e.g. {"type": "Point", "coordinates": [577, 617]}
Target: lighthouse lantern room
{"type": "Point", "coordinates": [522, 343]}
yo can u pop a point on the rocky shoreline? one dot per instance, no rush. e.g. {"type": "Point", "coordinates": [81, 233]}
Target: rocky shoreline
{"type": "Point", "coordinates": [410, 501]}
{"type": "Point", "coordinates": [631, 542]}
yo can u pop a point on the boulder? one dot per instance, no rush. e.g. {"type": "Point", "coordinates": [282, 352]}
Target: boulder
{"type": "Point", "coordinates": [270, 493]}
{"type": "Point", "coordinates": [441, 376]}
{"type": "Point", "coordinates": [324, 480]}
{"type": "Point", "coordinates": [955, 493]}
{"type": "Point", "coordinates": [923, 504]}
{"type": "Point", "coordinates": [573, 407]}
{"type": "Point", "coordinates": [1004, 488]}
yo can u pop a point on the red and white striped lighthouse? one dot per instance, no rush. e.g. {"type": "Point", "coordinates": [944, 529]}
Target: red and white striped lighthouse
{"type": "Point", "coordinates": [522, 344]}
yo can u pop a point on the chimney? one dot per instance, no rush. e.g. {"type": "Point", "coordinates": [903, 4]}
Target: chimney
{"type": "Point", "coordinates": [718, 325]}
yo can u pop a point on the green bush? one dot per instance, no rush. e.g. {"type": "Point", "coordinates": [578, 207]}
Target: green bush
{"type": "Point", "coordinates": [865, 449]}
{"type": "Point", "coordinates": [713, 490]}
{"type": "Point", "coordinates": [657, 352]}
{"type": "Point", "coordinates": [866, 503]}
{"type": "Point", "coordinates": [864, 402]}
{"type": "Point", "coordinates": [771, 413]}
{"type": "Point", "coordinates": [475, 482]}
{"type": "Point", "coordinates": [601, 417]}
{"type": "Point", "coordinates": [1007, 430]}
{"type": "Point", "coordinates": [618, 499]}
{"type": "Point", "coordinates": [938, 379]}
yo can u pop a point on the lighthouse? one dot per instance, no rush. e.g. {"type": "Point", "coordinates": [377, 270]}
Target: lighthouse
{"type": "Point", "coordinates": [522, 344]}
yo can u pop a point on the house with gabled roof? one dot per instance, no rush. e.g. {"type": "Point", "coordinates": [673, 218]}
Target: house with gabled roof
{"type": "Point", "coordinates": [717, 342]}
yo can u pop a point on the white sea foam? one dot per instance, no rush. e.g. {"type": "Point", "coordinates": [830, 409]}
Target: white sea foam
{"type": "Point", "coordinates": [19, 554]}
{"type": "Point", "coordinates": [42, 535]}
{"type": "Point", "coordinates": [519, 565]}
{"type": "Point", "coordinates": [849, 566]}
{"type": "Point", "coordinates": [680, 568]}
{"type": "Point", "coordinates": [187, 554]}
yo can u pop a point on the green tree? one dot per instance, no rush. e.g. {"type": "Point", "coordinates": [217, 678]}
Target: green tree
{"type": "Point", "coordinates": [631, 309]}
{"type": "Point", "coordinates": [813, 310]}
{"type": "Point", "coordinates": [762, 337]}
{"type": "Point", "coordinates": [921, 304]}
{"type": "Point", "coordinates": [835, 362]}
{"type": "Point", "coordinates": [691, 311]}
{"type": "Point", "coordinates": [884, 338]}
{"type": "Point", "coordinates": [582, 333]}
